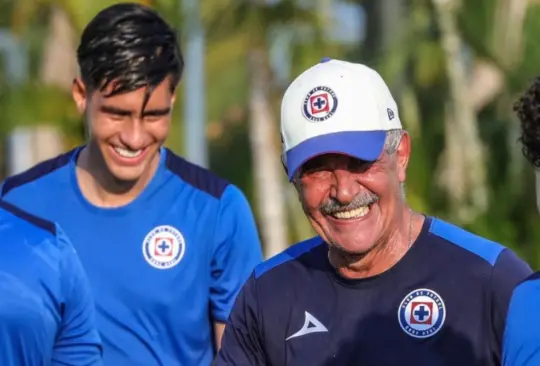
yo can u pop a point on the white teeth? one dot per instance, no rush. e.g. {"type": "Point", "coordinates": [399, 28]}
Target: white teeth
{"type": "Point", "coordinates": [353, 214]}
{"type": "Point", "coordinates": [127, 153]}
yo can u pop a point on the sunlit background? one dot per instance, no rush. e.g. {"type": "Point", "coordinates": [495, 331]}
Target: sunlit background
{"type": "Point", "coordinates": [455, 68]}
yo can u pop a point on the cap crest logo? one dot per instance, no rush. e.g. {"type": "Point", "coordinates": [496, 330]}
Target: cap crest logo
{"type": "Point", "coordinates": [320, 104]}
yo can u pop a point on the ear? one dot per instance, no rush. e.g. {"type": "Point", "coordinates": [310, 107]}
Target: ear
{"type": "Point", "coordinates": [173, 97]}
{"type": "Point", "coordinates": [298, 188]}
{"type": "Point", "coordinates": [403, 153]}
{"type": "Point", "coordinates": [78, 92]}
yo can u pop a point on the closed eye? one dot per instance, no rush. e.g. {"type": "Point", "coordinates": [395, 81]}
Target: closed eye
{"type": "Point", "coordinates": [359, 166]}
{"type": "Point", "coordinates": [155, 114]}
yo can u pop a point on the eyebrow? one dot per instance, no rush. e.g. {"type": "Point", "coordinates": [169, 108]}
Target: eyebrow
{"type": "Point", "coordinates": [115, 110]}
{"type": "Point", "coordinates": [124, 112]}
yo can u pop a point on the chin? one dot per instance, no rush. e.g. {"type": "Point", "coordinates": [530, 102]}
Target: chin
{"type": "Point", "coordinates": [353, 249]}
{"type": "Point", "coordinates": [127, 175]}
{"type": "Point", "coordinates": [353, 240]}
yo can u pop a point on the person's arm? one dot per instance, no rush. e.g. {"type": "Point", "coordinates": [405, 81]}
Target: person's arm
{"type": "Point", "coordinates": [508, 271]}
{"type": "Point", "coordinates": [236, 252]}
{"type": "Point", "coordinates": [521, 346]}
{"type": "Point", "coordinates": [78, 342]}
{"type": "Point", "coordinates": [241, 344]}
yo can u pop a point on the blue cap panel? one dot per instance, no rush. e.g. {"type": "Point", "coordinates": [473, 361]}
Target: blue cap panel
{"type": "Point", "coordinates": [365, 145]}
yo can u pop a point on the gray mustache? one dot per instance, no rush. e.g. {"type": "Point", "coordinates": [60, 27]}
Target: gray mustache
{"type": "Point", "coordinates": [333, 206]}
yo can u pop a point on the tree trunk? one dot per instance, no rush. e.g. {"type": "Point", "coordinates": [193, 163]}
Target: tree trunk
{"type": "Point", "coordinates": [452, 175]}
{"type": "Point", "coordinates": [58, 68]}
{"type": "Point", "coordinates": [464, 148]}
{"type": "Point", "coordinates": [59, 63]}
{"type": "Point", "coordinates": [507, 46]}
{"type": "Point", "coordinates": [264, 149]}
{"type": "Point", "coordinates": [488, 81]}
{"type": "Point", "coordinates": [508, 31]}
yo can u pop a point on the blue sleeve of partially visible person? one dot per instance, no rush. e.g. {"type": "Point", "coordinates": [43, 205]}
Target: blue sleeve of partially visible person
{"type": "Point", "coordinates": [236, 252]}
{"type": "Point", "coordinates": [241, 344]}
{"type": "Point", "coordinates": [78, 342]}
{"type": "Point", "coordinates": [521, 345]}
{"type": "Point", "coordinates": [508, 271]}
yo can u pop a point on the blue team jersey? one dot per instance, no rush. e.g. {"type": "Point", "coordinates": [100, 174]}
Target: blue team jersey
{"type": "Point", "coordinates": [443, 303]}
{"type": "Point", "coordinates": [46, 310]}
{"type": "Point", "coordinates": [522, 336]}
{"type": "Point", "coordinates": [162, 268]}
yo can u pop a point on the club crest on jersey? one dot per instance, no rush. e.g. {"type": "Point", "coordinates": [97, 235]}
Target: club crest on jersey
{"type": "Point", "coordinates": [164, 247]}
{"type": "Point", "coordinates": [320, 104]}
{"type": "Point", "coordinates": [421, 314]}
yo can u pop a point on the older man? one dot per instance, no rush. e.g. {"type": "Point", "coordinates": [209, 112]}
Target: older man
{"type": "Point", "coordinates": [522, 336]}
{"type": "Point", "coordinates": [380, 284]}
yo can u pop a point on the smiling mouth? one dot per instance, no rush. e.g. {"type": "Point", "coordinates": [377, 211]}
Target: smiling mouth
{"type": "Point", "coordinates": [128, 153]}
{"type": "Point", "coordinates": [352, 214]}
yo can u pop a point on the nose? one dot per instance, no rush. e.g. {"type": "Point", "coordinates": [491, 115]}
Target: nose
{"type": "Point", "coordinates": [345, 186]}
{"type": "Point", "coordinates": [132, 134]}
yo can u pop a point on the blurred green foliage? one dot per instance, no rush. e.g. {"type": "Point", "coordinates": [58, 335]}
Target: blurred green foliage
{"type": "Point", "coordinates": [414, 66]}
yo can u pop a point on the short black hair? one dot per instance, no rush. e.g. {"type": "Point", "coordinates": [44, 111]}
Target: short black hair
{"type": "Point", "coordinates": [528, 111]}
{"type": "Point", "coordinates": [129, 46]}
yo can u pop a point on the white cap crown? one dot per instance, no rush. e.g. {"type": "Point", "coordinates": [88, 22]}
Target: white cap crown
{"type": "Point", "coordinates": [335, 97]}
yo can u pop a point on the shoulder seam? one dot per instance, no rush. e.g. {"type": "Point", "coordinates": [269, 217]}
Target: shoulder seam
{"type": "Point", "coordinates": [533, 277]}
{"type": "Point", "coordinates": [481, 247]}
{"type": "Point", "coordinates": [37, 221]}
{"type": "Point", "coordinates": [287, 256]}
{"type": "Point", "coordinates": [37, 171]}
{"type": "Point", "coordinates": [196, 176]}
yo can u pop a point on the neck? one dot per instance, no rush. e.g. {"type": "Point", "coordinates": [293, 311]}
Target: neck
{"type": "Point", "coordinates": [100, 187]}
{"type": "Point", "coordinates": [384, 254]}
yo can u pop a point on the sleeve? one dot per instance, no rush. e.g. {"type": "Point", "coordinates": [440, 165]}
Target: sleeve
{"type": "Point", "coordinates": [241, 344]}
{"type": "Point", "coordinates": [78, 342]}
{"type": "Point", "coordinates": [521, 345]}
{"type": "Point", "coordinates": [236, 252]}
{"type": "Point", "coordinates": [509, 270]}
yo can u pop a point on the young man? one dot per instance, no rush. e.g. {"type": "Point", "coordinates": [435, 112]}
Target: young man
{"type": "Point", "coordinates": [381, 285]}
{"type": "Point", "coordinates": [166, 244]}
{"type": "Point", "coordinates": [522, 336]}
{"type": "Point", "coordinates": [46, 310]}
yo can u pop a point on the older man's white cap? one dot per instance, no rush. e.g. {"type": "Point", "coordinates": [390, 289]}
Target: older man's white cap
{"type": "Point", "coordinates": [336, 107]}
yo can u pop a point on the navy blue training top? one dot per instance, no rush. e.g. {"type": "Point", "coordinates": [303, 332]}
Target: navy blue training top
{"type": "Point", "coordinates": [443, 303]}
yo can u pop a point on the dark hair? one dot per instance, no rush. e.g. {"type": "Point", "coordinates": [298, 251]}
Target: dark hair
{"type": "Point", "coordinates": [129, 46]}
{"type": "Point", "coordinates": [528, 111]}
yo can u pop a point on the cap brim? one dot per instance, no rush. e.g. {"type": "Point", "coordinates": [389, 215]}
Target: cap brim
{"type": "Point", "coordinates": [364, 145]}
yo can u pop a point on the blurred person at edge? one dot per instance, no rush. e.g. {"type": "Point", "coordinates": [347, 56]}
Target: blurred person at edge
{"type": "Point", "coordinates": [521, 345]}
{"type": "Point", "coordinates": [166, 244]}
{"type": "Point", "coordinates": [381, 284]}
{"type": "Point", "coordinates": [47, 314]}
